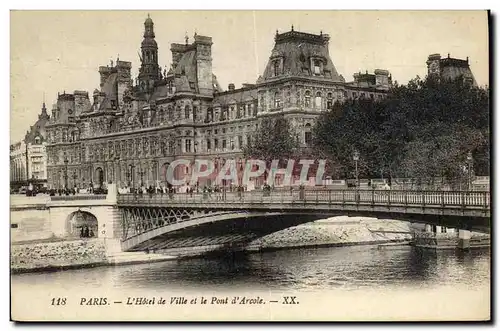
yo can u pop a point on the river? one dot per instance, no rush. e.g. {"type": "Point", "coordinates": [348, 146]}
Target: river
{"type": "Point", "coordinates": [340, 269]}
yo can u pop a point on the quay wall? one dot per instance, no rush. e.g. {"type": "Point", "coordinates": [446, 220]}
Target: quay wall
{"type": "Point", "coordinates": [57, 255]}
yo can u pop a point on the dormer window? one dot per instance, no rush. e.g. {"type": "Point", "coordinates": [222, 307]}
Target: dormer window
{"type": "Point", "coordinates": [37, 140]}
{"type": "Point", "coordinates": [317, 67]}
{"type": "Point", "coordinates": [276, 66]}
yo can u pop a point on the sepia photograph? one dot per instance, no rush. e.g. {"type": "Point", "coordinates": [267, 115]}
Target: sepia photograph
{"type": "Point", "coordinates": [250, 165]}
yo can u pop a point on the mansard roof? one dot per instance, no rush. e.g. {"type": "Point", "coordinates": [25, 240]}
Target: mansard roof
{"type": "Point", "coordinates": [296, 50]}
{"type": "Point", "coordinates": [242, 95]}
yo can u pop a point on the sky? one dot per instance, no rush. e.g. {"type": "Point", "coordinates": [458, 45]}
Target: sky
{"type": "Point", "coordinates": [57, 51]}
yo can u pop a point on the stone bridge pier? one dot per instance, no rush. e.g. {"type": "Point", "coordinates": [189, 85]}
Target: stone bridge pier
{"type": "Point", "coordinates": [71, 215]}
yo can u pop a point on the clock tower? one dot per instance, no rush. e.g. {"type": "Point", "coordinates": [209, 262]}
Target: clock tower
{"type": "Point", "coordinates": [149, 71]}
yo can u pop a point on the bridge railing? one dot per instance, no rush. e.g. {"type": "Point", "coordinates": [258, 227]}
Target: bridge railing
{"type": "Point", "coordinates": [78, 197]}
{"type": "Point", "coordinates": [320, 196]}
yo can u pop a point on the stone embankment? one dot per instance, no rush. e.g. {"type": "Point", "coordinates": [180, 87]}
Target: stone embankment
{"type": "Point", "coordinates": [336, 231]}
{"type": "Point", "coordinates": [57, 255]}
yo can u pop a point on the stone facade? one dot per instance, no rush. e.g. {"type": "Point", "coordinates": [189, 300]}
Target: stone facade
{"type": "Point", "coordinates": [28, 157]}
{"type": "Point", "coordinates": [129, 133]}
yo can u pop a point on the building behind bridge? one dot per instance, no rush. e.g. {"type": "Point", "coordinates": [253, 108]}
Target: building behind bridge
{"type": "Point", "coordinates": [28, 163]}
{"type": "Point", "coordinates": [129, 130]}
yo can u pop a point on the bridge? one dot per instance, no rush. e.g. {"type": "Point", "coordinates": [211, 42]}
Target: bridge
{"type": "Point", "coordinates": [172, 220]}
{"type": "Point", "coordinates": [162, 221]}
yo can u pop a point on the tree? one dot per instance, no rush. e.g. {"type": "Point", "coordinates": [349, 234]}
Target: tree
{"type": "Point", "coordinates": [423, 129]}
{"type": "Point", "coordinates": [274, 139]}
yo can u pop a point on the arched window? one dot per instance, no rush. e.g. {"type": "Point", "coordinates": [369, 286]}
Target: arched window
{"type": "Point", "coordinates": [307, 99]}
{"type": "Point", "coordinates": [187, 112]}
{"type": "Point", "coordinates": [297, 96]}
{"type": "Point", "coordinates": [329, 101]}
{"type": "Point", "coordinates": [277, 100]}
{"type": "Point", "coordinates": [317, 101]}
{"type": "Point", "coordinates": [287, 99]}
{"type": "Point", "coordinates": [37, 140]}
{"type": "Point", "coordinates": [178, 113]}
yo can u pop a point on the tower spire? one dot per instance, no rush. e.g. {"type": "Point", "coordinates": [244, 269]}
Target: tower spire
{"type": "Point", "coordinates": [149, 70]}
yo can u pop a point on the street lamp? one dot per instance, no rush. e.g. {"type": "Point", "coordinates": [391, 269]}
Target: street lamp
{"type": "Point", "coordinates": [66, 172]}
{"type": "Point", "coordinates": [469, 170]}
{"type": "Point", "coordinates": [355, 157]}
{"type": "Point", "coordinates": [116, 174]}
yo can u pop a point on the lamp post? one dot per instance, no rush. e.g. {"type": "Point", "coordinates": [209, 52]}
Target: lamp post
{"type": "Point", "coordinates": [117, 173]}
{"type": "Point", "coordinates": [66, 172]}
{"type": "Point", "coordinates": [355, 157]}
{"type": "Point", "coordinates": [469, 171]}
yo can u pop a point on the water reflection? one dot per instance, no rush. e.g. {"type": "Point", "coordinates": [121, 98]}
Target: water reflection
{"type": "Point", "coordinates": [314, 269]}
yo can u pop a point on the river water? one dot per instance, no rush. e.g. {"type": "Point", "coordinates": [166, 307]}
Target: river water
{"type": "Point", "coordinates": [311, 269]}
{"type": "Point", "coordinates": [339, 269]}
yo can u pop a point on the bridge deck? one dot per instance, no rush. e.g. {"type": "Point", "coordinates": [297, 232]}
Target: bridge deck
{"type": "Point", "coordinates": [420, 202]}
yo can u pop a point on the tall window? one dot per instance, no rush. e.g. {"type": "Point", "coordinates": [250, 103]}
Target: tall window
{"type": "Point", "coordinates": [224, 145]}
{"type": "Point", "coordinates": [231, 143]}
{"type": "Point", "coordinates": [317, 101]}
{"type": "Point", "coordinates": [171, 147]}
{"type": "Point", "coordinates": [188, 145]}
{"type": "Point", "coordinates": [209, 145]}
{"type": "Point", "coordinates": [178, 113]}
{"type": "Point", "coordinates": [240, 142]}
{"type": "Point", "coordinates": [329, 101]}
{"type": "Point", "coordinates": [307, 99]}
{"type": "Point", "coordinates": [277, 100]}
{"type": "Point", "coordinates": [216, 144]}
{"type": "Point", "coordinates": [195, 113]}
{"type": "Point", "coordinates": [187, 112]}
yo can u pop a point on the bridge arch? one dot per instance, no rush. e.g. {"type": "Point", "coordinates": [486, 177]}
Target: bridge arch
{"type": "Point", "coordinates": [81, 224]}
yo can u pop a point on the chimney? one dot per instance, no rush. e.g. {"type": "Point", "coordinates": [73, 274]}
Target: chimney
{"type": "Point", "coordinates": [230, 87]}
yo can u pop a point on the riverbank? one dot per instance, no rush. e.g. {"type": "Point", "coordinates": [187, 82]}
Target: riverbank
{"type": "Point", "coordinates": [333, 232]}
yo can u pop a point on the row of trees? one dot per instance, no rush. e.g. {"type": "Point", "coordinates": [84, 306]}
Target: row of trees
{"type": "Point", "coordinates": [424, 129]}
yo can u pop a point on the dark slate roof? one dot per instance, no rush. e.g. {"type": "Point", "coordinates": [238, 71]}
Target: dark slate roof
{"type": "Point", "coordinates": [185, 71]}
{"type": "Point", "coordinates": [109, 88]}
{"type": "Point", "coordinates": [236, 96]}
{"type": "Point", "coordinates": [38, 129]}
{"type": "Point", "coordinates": [297, 48]}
